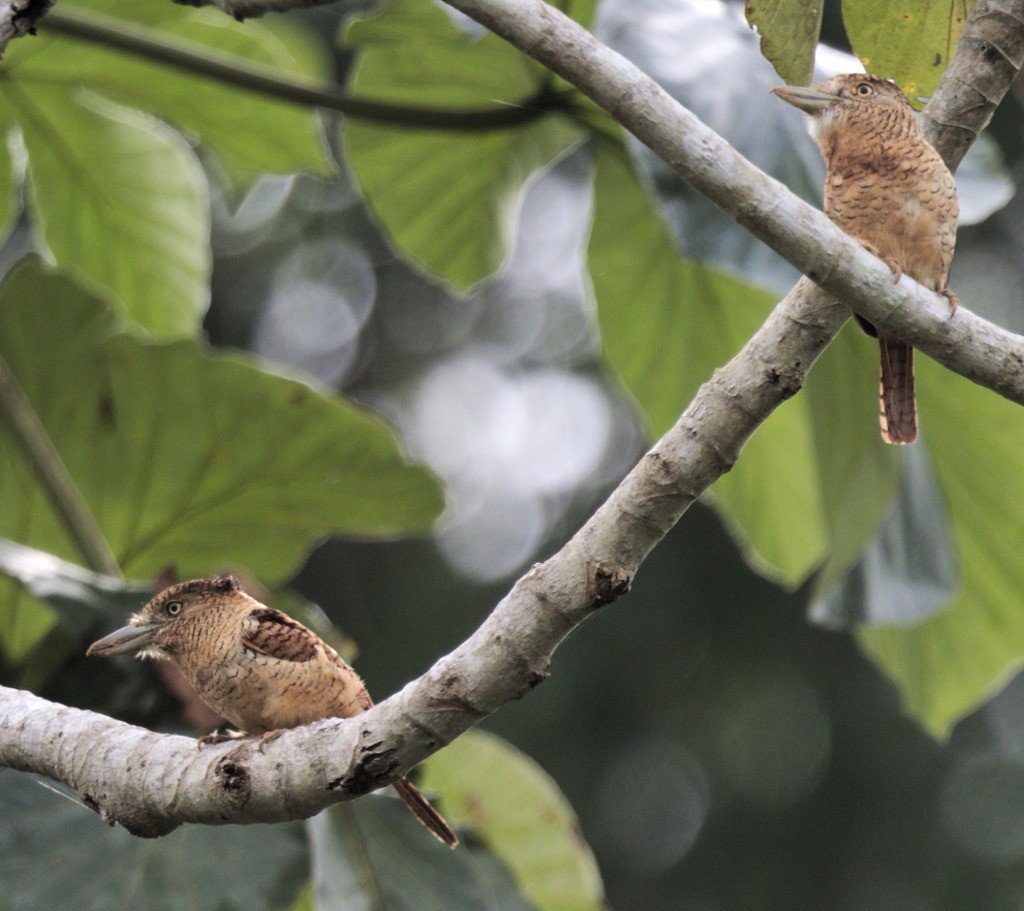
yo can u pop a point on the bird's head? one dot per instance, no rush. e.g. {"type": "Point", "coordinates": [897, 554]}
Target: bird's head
{"type": "Point", "coordinates": [848, 95]}
{"type": "Point", "coordinates": [162, 620]}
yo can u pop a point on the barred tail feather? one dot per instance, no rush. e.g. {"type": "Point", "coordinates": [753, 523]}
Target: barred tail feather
{"type": "Point", "coordinates": [897, 412]}
{"type": "Point", "coordinates": [421, 808]}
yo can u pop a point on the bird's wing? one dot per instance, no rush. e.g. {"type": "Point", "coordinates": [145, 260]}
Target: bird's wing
{"type": "Point", "coordinates": [277, 635]}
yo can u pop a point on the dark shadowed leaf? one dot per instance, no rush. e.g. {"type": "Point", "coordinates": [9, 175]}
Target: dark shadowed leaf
{"type": "Point", "coordinates": [908, 570]}
{"type": "Point", "coordinates": [370, 854]}
{"type": "Point", "coordinates": [80, 597]}
{"type": "Point", "coordinates": [57, 854]}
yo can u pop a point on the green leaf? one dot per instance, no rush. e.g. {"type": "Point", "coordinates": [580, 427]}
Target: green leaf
{"type": "Point", "coordinates": [250, 132]}
{"type": "Point", "coordinates": [952, 662]}
{"type": "Point", "coordinates": [859, 474]}
{"type": "Point", "coordinates": [371, 854]}
{"type": "Point", "coordinates": [449, 199]}
{"type": "Point", "coordinates": [187, 458]}
{"type": "Point", "coordinates": [121, 201]}
{"type": "Point", "coordinates": [789, 31]}
{"type": "Point", "coordinates": [911, 41]}
{"type": "Point", "coordinates": [11, 177]}
{"type": "Point", "coordinates": [78, 595]}
{"type": "Point", "coordinates": [119, 197]}
{"type": "Point", "coordinates": [909, 569]}
{"type": "Point", "coordinates": [667, 322]}
{"type": "Point", "coordinates": [519, 813]}
{"type": "Point", "coordinates": [203, 868]}
{"type": "Point", "coordinates": [305, 901]}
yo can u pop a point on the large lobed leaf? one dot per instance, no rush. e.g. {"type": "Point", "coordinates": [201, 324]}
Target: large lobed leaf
{"type": "Point", "coordinates": [950, 663]}
{"type": "Point", "coordinates": [789, 31]}
{"type": "Point", "coordinates": [448, 199]}
{"type": "Point", "coordinates": [185, 458]}
{"type": "Point", "coordinates": [667, 322]}
{"type": "Point", "coordinates": [911, 41]}
{"type": "Point", "coordinates": [117, 196]}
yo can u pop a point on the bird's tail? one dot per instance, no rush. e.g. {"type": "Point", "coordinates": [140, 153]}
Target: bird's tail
{"type": "Point", "coordinates": [421, 808]}
{"type": "Point", "coordinates": [897, 410]}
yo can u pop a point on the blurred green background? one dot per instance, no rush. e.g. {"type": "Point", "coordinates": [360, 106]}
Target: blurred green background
{"type": "Point", "coordinates": [525, 313]}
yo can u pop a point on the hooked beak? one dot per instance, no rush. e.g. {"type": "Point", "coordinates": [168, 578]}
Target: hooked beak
{"type": "Point", "coordinates": [124, 641]}
{"type": "Point", "coordinates": [808, 99]}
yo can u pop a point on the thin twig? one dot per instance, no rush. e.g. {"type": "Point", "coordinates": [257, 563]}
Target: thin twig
{"type": "Point", "coordinates": [152, 45]}
{"type": "Point", "coordinates": [37, 448]}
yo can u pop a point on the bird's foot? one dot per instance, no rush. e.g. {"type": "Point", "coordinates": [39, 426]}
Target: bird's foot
{"type": "Point", "coordinates": [269, 737]}
{"type": "Point", "coordinates": [897, 269]}
{"type": "Point", "coordinates": [954, 301]}
{"type": "Point", "coordinates": [208, 739]}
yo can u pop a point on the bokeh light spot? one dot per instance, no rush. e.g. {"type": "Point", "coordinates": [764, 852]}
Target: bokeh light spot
{"type": "Point", "coordinates": [653, 800]}
{"type": "Point", "coordinates": [775, 740]}
{"type": "Point", "coordinates": [982, 806]}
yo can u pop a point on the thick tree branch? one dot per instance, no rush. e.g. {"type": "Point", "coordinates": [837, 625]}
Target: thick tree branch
{"type": "Point", "coordinates": [151, 783]}
{"type": "Point", "coordinates": [988, 57]}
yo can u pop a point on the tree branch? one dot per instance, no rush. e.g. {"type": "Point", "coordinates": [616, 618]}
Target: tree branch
{"type": "Point", "coordinates": [149, 44]}
{"type": "Point", "coordinates": [151, 783]}
{"type": "Point", "coordinates": [989, 55]}
{"type": "Point", "coordinates": [19, 18]}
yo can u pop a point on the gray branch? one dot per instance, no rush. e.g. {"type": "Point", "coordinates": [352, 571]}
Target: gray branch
{"type": "Point", "coordinates": [151, 783]}
{"type": "Point", "coordinates": [19, 18]}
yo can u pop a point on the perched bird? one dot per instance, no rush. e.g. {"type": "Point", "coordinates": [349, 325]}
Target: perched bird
{"type": "Point", "coordinates": [888, 188]}
{"type": "Point", "coordinates": [255, 666]}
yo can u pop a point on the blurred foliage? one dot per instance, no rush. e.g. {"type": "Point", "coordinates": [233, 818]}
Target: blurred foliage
{"type": "Point", "coordinates": [789, 31]}
{"type": "Point", "coordinates": [910, 41]}
{"type": "Point", "coordinates": [448, 198]}
{"type": "Point", "coordinates": [205, 868]}
{"type": "Point", "coordinates": [665, 357]}
{"type": "Point", "coordinates": [119, 198]}
{"type": "Point", "coordinates": [512, 805]}
{"type": "Point", "coordinates": [980, 634]}
{"type": "Point", "coordinates": [720, 752]}
{"type": "Point", "coordinates": [186, 459]}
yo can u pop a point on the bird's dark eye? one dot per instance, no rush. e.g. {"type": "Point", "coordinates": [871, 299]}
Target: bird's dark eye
{"type": "Point", "coordinates": [863, 89]}
{"type": "Point", "coordinates": [174, 608]}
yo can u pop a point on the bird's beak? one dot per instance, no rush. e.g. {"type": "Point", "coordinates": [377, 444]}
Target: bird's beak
{"type": "Point", "coordinates": [124, 641]}
{"type": "Point", "coordinates": [808, 99]}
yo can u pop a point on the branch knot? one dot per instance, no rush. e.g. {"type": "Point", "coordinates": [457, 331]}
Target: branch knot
{"type": "Point", "coordinates": [610, 583]}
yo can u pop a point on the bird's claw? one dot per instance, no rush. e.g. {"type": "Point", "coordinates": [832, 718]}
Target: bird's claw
{"type": "Point", "coordinates": [269, 737]}
{"type": "Point", "coordinates": [954, 301]}
{"type": "Point", "coordinates": [209, 739]}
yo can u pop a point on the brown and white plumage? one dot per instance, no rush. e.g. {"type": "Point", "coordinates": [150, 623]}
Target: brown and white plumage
{"type": "Point", "coordinates": [257, 667]}
{"type": "Point", "coordinates": [886, 186]}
